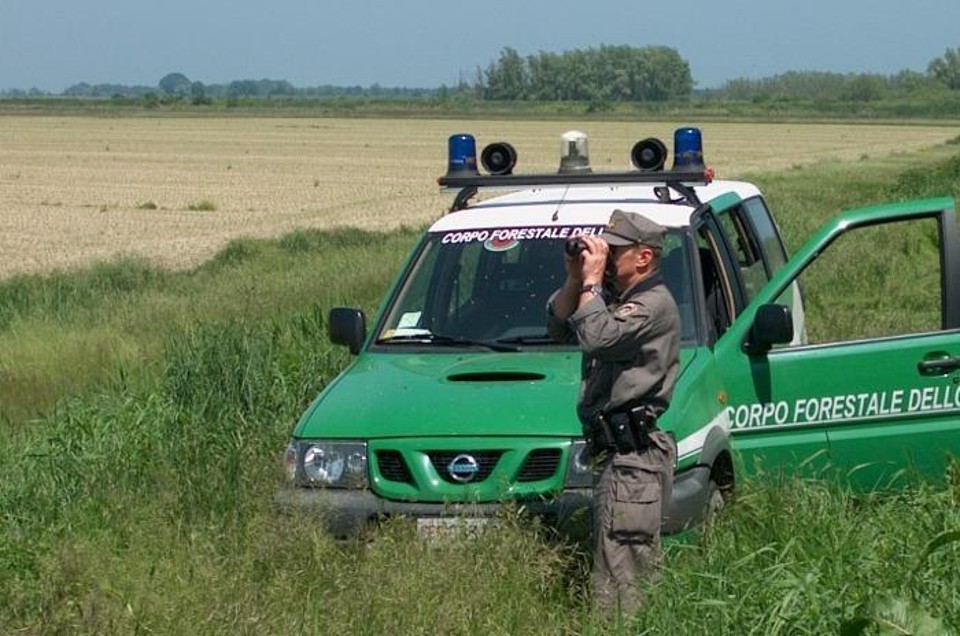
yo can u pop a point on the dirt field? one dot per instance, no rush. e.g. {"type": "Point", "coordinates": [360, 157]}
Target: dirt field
{"type": "Point", "coordinates": [76, 189]}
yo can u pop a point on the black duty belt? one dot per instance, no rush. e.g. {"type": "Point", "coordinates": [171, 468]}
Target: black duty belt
{"type": "Point", "coordinates": [624, 431]}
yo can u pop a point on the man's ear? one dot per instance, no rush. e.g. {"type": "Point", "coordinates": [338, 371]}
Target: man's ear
{"type": "Point", "coordinates": [644, 256]}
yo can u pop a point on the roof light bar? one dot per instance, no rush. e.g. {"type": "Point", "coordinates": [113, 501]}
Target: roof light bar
{"type": "Point", "coordinates": [690, 177]}
{"type": "Point", "coordinates": [648, 156]}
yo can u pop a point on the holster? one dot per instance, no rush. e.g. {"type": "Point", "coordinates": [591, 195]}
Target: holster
{"type": "Point", "coordinates": [625, 431]}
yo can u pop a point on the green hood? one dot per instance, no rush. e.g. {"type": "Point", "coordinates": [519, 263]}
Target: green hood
{"type": "Point", "coordinates": [446, 394]}
{"type": "Point", "coordinates": [450, 394]}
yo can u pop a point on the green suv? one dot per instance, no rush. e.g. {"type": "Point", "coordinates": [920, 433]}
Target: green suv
{"type": "Point", "coordinates": [458, 401]}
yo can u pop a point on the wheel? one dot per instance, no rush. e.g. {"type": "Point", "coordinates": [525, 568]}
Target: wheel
{"type": "Point", "coordinates": [715, 504]}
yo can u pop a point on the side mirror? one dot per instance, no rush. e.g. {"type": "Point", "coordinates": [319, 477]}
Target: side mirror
{"type": "Point", "coordinates": [773, 324]}
{"type": "Point", "coordinates": [348, 326]}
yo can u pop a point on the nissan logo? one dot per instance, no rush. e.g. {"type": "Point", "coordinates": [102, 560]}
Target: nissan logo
{"type": "Point", "coordinates": [463, 468]}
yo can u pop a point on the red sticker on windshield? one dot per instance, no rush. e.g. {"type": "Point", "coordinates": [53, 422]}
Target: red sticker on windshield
{"type": "Point", "coordinates": [500, 245]}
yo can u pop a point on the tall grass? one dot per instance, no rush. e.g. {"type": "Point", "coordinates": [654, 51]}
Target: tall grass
{"type": "Point", "coordinates": [150, 511]}
{"type": "Point", "coordinates": [62, 333]}
{"type": "Point", "coordinates": [140, 500]}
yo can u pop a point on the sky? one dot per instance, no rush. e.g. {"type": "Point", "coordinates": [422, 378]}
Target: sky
{"type": "Point", "coordinates": [53, 44]}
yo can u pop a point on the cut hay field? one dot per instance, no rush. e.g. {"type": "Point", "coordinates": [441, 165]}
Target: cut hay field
{"type": "Point", "coordinates": [177, 189]}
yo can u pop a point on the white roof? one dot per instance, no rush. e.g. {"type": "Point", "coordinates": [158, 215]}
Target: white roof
{"type": "Point", "coordinates": [582, 205]}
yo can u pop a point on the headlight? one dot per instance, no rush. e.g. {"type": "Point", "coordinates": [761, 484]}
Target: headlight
{"type": "Point", "coordinates": [579, 466]}
{"type": "Point", "coordinates": [333, 464]}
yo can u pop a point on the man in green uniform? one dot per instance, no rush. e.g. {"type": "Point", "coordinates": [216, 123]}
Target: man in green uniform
{"type": "Point", "coordinates": [630, 364]}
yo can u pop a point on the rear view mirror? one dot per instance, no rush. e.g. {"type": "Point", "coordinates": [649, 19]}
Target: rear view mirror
{"type": "Point", "coordinates": [772, 325]}
{"type": "Point", "coordinates": [348, 326]}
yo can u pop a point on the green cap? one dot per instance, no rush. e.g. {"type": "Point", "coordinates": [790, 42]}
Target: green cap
{"type": "Point", "coordinates": [630, 228]}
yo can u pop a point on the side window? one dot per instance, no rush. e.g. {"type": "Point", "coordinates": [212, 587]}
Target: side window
{"type": "Point", "coordinates": [717, 288]}
{"type": "Point", "coordinates": [874, 282]}
{"type": "Point", "coordinates": [767, 235]}
{"type": "Point", "coordinates": [746, 250]}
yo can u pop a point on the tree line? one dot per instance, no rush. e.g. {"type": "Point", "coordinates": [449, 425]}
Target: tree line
{"type": "Point", "coordinates": [178, 87]}
{"type": "Point", "coordinates": [598, 76]}
{"type": "Point", "coordinates": [660, 74]}
{"type": "Point", "coordinates": [608, 73]}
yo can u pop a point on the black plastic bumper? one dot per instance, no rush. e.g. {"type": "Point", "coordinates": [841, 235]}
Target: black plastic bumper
{"type": "Point", "coordinates": [345, 513]}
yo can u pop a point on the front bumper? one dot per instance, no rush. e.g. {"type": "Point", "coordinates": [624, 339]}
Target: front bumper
{"type": "Point", "coordinates": [346, 513]}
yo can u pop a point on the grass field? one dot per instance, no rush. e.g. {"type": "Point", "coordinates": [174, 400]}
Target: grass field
{"type": "Point", "coordinates": [143, 413]}
{"type": "Point", "coordinates": [176, 190]}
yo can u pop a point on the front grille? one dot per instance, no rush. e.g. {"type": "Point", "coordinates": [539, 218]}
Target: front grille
{"type": "Point", "coordinates": [486, 461]}
{"type": "Point", "coordinates": [540, 464]}
{"type": "Point", "coordinates": [392, 466]}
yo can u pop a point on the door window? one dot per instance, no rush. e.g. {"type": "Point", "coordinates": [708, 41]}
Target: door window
{"type": "Point", "coordinates": [717, 289]}
{"type": "Point", "coordinates": [768, 237]}
{"type": "Point", "coordinates": [875, 282]}
{"type": "Point", "coordinates": [746, 250]}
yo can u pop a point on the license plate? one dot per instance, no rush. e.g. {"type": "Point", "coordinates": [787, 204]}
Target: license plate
{"type": "Point", "coordinates": [451, 527]}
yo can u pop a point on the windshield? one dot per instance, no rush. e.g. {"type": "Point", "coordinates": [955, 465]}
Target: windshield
{"type": "Point", "coordinates": [490, 293]}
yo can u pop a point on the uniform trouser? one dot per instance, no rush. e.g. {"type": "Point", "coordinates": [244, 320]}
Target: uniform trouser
{"type": "Point", "coordinates": [629, 493]}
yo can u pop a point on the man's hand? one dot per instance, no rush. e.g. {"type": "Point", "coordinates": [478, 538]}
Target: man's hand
{"type": "Point", "coordinates": [573, 266]}
{"type": "Point", "coordinates": [593, 260]}
{"type": "Point", "coordinates": [584, 269]}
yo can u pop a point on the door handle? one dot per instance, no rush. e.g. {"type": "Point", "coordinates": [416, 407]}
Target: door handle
{"type": "Point", "coordinates": [941, 366]}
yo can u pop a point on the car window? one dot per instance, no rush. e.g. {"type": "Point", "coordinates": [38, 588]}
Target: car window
{"type": "Point", "coordinates": [873, 282]}
{"type": "Point", "coordinates": [746, 250]}
{"type": "Point", "coordinates": [477, 289]}
{"type": "Point", "coordinates": [717, 288]}
{"type": "Point", "coordinates": [768, 237]}
{"type": "Point", "coordinates": [675, 266]}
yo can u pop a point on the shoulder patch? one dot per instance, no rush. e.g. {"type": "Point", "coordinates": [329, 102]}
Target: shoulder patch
{"type": "Point", "coordinates": [626, 310]}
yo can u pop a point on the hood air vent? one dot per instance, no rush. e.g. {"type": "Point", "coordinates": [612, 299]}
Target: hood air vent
{"type": "Point", "coordinates": [497, 376]}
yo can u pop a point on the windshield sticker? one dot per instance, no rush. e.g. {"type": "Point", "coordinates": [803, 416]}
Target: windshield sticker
{"type": "Point", "coordinates": [409, 319]}
{"type": "Point", "coordinates": [495, 239]}
{"type": "Point", "coordinates": [500, 245]}
{"type": "Point", "coordinates": [845, 408]}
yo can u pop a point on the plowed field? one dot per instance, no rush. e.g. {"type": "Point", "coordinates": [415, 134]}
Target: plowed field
{"type": "Point", "coordinates": [176, 190]}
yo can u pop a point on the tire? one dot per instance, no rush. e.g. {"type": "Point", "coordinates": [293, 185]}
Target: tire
{"type": "Point", "coordinates": [715, 504]}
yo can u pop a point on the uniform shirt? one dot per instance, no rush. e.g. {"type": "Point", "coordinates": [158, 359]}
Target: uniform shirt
{"type": "Point", "coordinates": [630, 348]}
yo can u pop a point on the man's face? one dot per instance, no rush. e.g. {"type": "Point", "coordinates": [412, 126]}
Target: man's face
{"type": "Point", "coordinates": [628, 264]}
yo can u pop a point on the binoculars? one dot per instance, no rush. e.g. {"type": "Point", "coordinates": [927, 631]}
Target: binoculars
{"type": "Point", "coordinates": [574, 246]}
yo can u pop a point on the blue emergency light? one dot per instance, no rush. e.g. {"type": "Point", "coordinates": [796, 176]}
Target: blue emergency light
{"type": "Point", "coordinates": [687, 149]}
{"type": "Point", "coordinates": [461, 156]}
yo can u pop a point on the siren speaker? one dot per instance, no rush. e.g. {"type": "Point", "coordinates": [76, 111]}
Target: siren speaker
{"type": "Point", "coordinates": [649, 155]}
{"type": "Point", "coordinates": [499, 158]}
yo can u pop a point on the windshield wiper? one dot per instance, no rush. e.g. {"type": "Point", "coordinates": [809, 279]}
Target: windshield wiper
{"type": "Point", "coordinates": [444, 340]}
{"type": "Point", "coordinates": [539, 339]}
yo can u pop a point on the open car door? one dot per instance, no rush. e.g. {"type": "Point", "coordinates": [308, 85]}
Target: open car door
{"type": "Point", "coordinates": [878, 377]}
